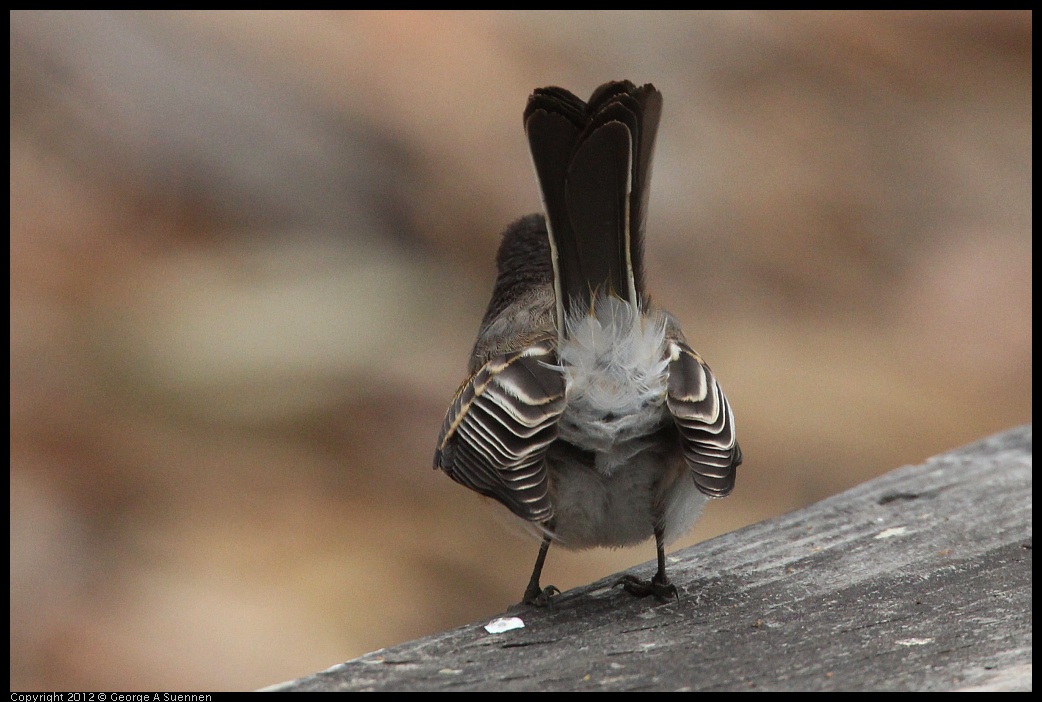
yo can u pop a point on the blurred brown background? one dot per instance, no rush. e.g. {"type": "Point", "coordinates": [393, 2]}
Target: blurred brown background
{"type": "Point", "coordinates": [249, 253]}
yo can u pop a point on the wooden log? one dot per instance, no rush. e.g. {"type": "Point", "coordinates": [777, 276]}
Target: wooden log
{"type": "Point", "coordinates": [917, 580]}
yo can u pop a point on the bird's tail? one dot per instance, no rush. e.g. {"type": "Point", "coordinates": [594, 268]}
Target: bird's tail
{"type": "Point", "coordinates": [593, 163]}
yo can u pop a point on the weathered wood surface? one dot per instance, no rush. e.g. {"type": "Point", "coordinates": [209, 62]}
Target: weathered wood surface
{"type": "Point", "coordinates": [918, 580]}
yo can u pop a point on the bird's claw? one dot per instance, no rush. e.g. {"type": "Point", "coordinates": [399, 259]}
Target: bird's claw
{"type": "Point", "coordinates": [662, 589]}
{"type": "Point", "coordinates": [540, 597]}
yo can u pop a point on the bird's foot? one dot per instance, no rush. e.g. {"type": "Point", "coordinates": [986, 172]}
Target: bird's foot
{"type": "Point", "coordinates": [539, 597]}
{"type": "Point", "coordinates": [660, 588]}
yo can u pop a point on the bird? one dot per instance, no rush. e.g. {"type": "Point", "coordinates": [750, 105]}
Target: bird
{"type": "Point", "coordinates": [585, 411]}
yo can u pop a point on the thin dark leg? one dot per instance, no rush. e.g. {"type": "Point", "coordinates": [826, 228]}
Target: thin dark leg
{"type": "Point", "coordinates": [535, 595]}
{"type": "Point", "coordinates": [660, 576]}
{"type": "Point", "coordinates": [659, 585]}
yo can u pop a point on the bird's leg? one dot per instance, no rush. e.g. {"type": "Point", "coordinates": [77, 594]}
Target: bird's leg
{"type": "Point", "coordinates": [659, 585]}
{"type": "Point", "coordinates": [535, 595]}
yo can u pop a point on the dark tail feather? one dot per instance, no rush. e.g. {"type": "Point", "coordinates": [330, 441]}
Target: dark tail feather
{"type": "Point", "coordinates": [593, 162]}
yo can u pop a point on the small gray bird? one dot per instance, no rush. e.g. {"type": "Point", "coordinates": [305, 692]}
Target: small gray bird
{"type": "Point", "coordinates": [586, 413]}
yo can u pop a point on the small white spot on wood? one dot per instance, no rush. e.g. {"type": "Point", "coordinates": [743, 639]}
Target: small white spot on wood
{"type": "Point", "coordinates": [914, 642]}
{"type": "Point", "coordinates": [888, 533]}
{"type": "Point", "coordinates": [498, 626]}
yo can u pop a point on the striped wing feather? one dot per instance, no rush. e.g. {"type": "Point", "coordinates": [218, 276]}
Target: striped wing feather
{"type": "Point", "coordinates": [499, 427]}
{"type": "Point", "coordinates": [704, 419]}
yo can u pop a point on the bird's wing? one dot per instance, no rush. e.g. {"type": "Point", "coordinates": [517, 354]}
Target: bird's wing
{"type": "Point", "coordinates": [703, 416]}
{"type": "Point", "coordinates": [499, 427]}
